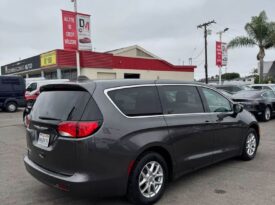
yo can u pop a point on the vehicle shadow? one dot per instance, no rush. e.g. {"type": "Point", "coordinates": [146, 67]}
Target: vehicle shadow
{"type": "Point", "coordinates": [170, 194]}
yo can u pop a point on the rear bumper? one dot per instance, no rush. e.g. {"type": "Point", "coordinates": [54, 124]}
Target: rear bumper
{"type": "Point", "coordinates": [79, 184]}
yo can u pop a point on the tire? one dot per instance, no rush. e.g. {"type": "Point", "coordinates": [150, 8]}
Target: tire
{"type": "Point", "coordinates": [11, 107]}
{"type": "Point", "coordinates": [267, 114]}
{"type": "Point", "coordinates": [250, 145]}
{"type": "Point", "coordinates": [138, 182]}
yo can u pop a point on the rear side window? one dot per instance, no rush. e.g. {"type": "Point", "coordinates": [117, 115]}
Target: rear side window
{"type": "Point", "coordinates": [4, 87]}
{"type": "Point", "coordinates": [60, 105]}
{"type": "Point", "coordinates": [138, 101]}
{"type": "Point", "coordinates": [180, 99]}
{"type": "Point", "coordinates": [12, 84]}
{"type": "Point", "coordinates": [92, 112]}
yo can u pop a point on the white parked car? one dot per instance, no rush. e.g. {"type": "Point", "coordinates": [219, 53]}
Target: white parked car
{"type": "Point", "coordinates": [33, 80]}
{"type": "Point", "coordinates": [263, 87]}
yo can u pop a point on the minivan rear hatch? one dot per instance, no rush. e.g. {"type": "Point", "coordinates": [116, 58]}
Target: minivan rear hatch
{"type": "Point", "coordinates": [46, 147]}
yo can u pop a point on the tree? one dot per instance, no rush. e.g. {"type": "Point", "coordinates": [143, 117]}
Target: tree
{"type": "Point", "coordinates": [260, 33]}
{"type": "Point", "coordinates": [230, 76]}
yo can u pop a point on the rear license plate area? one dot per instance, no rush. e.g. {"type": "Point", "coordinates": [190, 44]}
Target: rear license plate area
{"type": "Point", "coordinates": [43, 139]}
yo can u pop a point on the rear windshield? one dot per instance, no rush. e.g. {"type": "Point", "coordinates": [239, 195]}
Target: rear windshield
{"type": "Point", "coordinates": [60, 105]}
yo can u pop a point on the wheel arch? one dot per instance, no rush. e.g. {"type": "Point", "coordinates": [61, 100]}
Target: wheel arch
{"type": "Point", "coordinates": [8, 100]}
{"type": "Point", "coordinates": [257, 128]}
{"type": "Point", "coordinates": [164, 153]}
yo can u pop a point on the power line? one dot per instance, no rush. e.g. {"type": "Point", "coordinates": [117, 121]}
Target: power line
{"type": "Point", "coordinates": [199, 54]}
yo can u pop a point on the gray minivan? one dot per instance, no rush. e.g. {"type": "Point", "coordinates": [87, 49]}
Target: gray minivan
{"type": "Point", "coordinates": [131, 137]}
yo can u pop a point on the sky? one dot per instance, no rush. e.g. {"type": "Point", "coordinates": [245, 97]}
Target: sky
{"type": "Point", "coordinates": [166, 28]}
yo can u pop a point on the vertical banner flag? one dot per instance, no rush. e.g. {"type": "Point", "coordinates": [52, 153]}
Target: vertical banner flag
{"type": "Point", "coordinates": [69, 30]}
{"type": "Point", "coordinates": [76, 31]}
{"type": "Point", "coordinates": [221, 54]}
{"type": "Point", "coordinates": [218, 54]}
{"type": "Point", "coordinates": [84, 32]}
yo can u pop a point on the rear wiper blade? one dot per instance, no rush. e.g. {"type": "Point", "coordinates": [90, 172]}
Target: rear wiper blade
{"type": "Point", "coordinates": [48, 118]}
{"type": "Point", "coordinates": [70, 114]}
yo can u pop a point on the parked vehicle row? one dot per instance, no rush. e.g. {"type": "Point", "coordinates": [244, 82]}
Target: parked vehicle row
{"type": "Point", "coordinates": [259, 99]}
{"type": "Point", "coordinates": [15, 91]}
{"type": "Point", "coordinates": [131, 137]}
{"type": "Point", "coordinates": [232, 89]}
{"type": "Point", "coordinates": [259, 102]}
{"type": "Point", "coordinates": [263, 87]}
{"type": "Point", "coordinates": [32, 90]}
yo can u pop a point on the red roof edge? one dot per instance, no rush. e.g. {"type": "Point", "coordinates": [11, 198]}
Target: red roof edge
{"type": "Point", "coordinates": [90, 59]}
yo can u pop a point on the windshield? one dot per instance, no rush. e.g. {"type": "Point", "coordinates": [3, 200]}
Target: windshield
{"type": "Point", "coordinates": [32, 87]}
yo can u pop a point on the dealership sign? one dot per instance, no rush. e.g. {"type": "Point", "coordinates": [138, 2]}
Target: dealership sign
{"type": "Point", "coordinates": [48, 59]}
{"type": "Point", "coordinates": [221, 54]}
{"type": "Point", "coordinates": [23, 65]}
{"type": "Point", "coordinates": [76, 31]}
{"type": "Point", "coordinates": [84, 32]}
{"type": "Point", "coordinates": [69, 30]}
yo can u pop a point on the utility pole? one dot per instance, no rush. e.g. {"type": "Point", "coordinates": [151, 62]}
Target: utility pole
{"type": "Point", "coordinates": [204, 25]}
{"type": "Point", "coordinates": [220, 68]}
{"type": "Point", "coordinates": [77, 51]}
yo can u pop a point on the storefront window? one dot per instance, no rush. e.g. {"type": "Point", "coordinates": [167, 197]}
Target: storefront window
{"type": "Point", "coordinates": [51, 75]}
{"type": "Point", "coordinates": [69, 74]}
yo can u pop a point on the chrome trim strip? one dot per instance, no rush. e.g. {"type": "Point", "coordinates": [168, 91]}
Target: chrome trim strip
{"type": "Point", "coordinates": [40, 127]}
{"type": "Point", "coordinates": [166, 115]}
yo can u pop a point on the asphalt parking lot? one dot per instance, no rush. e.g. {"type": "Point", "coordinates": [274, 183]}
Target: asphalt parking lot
{"type": "Point", "coordinates": [229, 182]}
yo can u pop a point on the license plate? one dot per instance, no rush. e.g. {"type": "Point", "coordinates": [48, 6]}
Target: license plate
{"type": "Point", "coordinates": [43, 139]}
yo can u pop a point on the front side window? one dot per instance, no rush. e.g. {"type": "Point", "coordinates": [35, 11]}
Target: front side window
{"type": "Point", "coordinates": [180, 99]}
{"type": "Point", "coordinates": [216, 102]}
{"type": "Point", "coordinates": [137, 101]}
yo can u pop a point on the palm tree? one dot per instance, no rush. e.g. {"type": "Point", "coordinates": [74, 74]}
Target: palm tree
{"type": "Point", "coordinates": [261, 33]}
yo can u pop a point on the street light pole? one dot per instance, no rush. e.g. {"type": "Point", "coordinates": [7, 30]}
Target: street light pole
{"type": "Point", "coordinates": [220, 67]}
{"type": "Point", "coordinates": [77, 51]}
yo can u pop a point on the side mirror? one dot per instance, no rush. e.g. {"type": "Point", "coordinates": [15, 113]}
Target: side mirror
{"type": "Point", "coordinates": [237, 108]}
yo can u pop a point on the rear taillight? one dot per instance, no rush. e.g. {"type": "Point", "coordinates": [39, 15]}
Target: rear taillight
{"type": "Point", "coordinates": [77, 129]}
{"type": "Point", "coordinates": [87, 128]}
{"type": "Point", "coordinates": [67, 129]}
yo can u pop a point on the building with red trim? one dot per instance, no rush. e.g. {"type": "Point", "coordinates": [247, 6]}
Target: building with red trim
{"type": "Point", "coordinates": [130, 62]}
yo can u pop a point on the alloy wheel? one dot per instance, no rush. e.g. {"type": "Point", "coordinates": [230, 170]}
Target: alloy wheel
{"type": "Point", "coordinates": [11, 107]}
{"type": "Point", "coordinates": [151, 179]}
{"type": "Point", "coordinates": [251, 144]}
